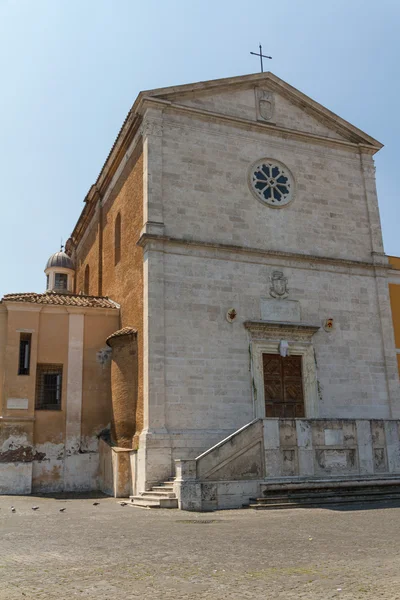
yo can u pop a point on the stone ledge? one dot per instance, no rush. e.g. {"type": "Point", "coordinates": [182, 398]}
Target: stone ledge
{"type": "Point", "coordinates": [146, 238]}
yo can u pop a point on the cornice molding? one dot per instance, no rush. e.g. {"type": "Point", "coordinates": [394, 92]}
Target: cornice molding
{"type": "Point", "coordinates": [260, 126]}
{"type": "Point", "coordinates": [162, 240]}
{"type": "Point", "coordinates": [23, 306]}
{"type": "Point", "coordinates": [111, 165]}
{"type": "Point", "coordinates": [273, 83]}
{"type": "Point", "coordinates": [275, 330]}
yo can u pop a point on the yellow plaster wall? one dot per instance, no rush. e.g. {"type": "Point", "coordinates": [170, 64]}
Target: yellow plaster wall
{"type": "Point", "coordinates": [53, 349]}
{"type": "Point", "coordinates": [394, 291]}
{"type": "Point", "coordinates": [20, 386]}
{"type": "Point", "coordinates": [394, 261]}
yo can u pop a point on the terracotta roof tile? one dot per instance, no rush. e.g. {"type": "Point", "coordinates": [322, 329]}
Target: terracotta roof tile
{"type": "Point", "coordinates": [55, 299]}
{"type": "Point", "coordinates": [121, 332]}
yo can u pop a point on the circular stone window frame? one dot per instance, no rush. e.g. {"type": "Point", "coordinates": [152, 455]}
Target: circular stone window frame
{"type": "Point", "coordinates": [280, 164]}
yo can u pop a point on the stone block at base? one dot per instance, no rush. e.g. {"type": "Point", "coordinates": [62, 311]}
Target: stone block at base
{"type": "Point", "coordinates": [16, 478]}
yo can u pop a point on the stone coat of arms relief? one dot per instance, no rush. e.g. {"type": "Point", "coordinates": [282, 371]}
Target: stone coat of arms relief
{"type": "Point", "coordinates": [265, 103]}
{"type": "Point", "coordinates": [278, 288]}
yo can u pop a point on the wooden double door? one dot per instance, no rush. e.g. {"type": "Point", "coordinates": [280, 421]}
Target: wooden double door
{"type": "Point", "coordinates": [283, 386]}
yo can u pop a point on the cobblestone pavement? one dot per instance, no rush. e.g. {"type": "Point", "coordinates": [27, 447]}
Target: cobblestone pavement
{"type": "Point", "coordinates": [111, 552]}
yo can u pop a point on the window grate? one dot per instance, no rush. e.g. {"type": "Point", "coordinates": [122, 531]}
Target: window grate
{"type": "Point", "coordinates": [24, 353]}
{"type": "Point", "coordinates": [48, 387]}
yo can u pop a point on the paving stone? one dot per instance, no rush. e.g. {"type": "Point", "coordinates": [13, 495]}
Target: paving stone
{"type": "Point", "coordinates": [107, 551]}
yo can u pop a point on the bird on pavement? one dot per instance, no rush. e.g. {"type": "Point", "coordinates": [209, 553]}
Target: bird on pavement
{"type": "Point", "coordinates": [96, 503]}
{"type": "Point", "coordinates": [62, 509]}
{"type": "Point", "coordinates": [35, 508]}
{"type": "Point", "coordinates": [12, 509]}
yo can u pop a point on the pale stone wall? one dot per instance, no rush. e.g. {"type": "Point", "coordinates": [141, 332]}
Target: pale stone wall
{"type": "Point", "coordinates": [208, 383]}
{"type": "Point", "coordinates": [217, 248]}
{"type": "Point", "coordinates": [206, 194]}
{"type": "Point", "coordinates": [241, 103]}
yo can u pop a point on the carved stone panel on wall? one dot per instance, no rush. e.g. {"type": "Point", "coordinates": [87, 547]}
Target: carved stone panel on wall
{"type": "Point", "coordinates": [265, 104]}
{"type": "Point", "coordinates": [276, 310]}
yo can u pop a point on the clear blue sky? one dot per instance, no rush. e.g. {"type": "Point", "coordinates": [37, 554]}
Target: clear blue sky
{"type": "Point", "coordinates": [71, 69]}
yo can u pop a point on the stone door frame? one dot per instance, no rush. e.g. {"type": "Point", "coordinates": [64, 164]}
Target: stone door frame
{"type": "Point", "coordinates": [265, 337]}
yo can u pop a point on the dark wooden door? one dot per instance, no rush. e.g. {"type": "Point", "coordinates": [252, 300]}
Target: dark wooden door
{"type": "Point", "coordinates": [283, 386]}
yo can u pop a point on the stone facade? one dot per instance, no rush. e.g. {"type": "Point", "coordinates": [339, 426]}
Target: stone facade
{"type": "Point", "coordinates": [217, 248]}
{"type": "Point", "coordinates": [208, 245]}
{"type": "Point", "coordinates": [212, 274]}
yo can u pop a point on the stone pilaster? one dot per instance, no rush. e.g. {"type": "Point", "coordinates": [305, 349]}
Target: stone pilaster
{"type": "Point", "coordinates": [152, 128]}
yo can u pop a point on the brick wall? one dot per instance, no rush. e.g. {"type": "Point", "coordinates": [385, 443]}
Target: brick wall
{"type": "Point", "coordinates": [122, 282]}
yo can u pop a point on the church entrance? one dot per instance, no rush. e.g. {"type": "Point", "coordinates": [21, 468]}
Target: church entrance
{"type": "Point", "coordinates": [283, 386]}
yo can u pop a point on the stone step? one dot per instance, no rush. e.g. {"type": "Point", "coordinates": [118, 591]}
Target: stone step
{"type": "Point", "coordinates": [267, 504]}
{"type": "Point", "coordinates": [162, 488]}
{"type": "Point", "coordinates": [155, 493]}
{"type": "Point", "coordinates": [152, 501]}
{"type": "Point", "coordinates": [337, 493]}
{"type": "Point", "coordinates": [332, 488]}
{"type": "Point", "coordinates": [339, 483]}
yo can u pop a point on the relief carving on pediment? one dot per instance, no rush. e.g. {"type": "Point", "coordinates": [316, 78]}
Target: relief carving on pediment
{"type": "Point", "coordinates": [265, 104]}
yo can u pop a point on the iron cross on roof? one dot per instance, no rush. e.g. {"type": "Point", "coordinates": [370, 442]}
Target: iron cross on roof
{"type": "Point", "coordinates": [261, 55]}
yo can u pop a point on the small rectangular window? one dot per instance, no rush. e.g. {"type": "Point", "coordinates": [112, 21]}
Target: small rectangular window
{"type": "Point", "coordinates": [24, 353]}
{"type": "Point", "coordinates": [60, 281]}
{"type": "Point", "coordinates": [48, 387]}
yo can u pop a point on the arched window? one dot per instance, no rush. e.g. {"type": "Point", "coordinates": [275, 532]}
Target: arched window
{"type": "Point", "coordinates": [86, 280]}
{"type": "Point", "coordinates": [117, 239]}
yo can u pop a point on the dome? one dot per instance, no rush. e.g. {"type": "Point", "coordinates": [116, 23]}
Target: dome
{"type": "Point", "coordinates": [60, 259]}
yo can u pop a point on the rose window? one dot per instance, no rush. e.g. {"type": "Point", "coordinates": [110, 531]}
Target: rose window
{"type": "Point", "coordinates": [272, 183]}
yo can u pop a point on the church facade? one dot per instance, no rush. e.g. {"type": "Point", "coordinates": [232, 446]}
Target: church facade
{"type": "Point", "coordinates": [234, 229]}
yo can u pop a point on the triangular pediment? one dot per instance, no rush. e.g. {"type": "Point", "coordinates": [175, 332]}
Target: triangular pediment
{"type": "Point", "coordinates": [264, 98]}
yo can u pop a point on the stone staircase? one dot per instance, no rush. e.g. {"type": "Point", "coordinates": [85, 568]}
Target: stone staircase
{"type": "Point", "coordinates": [297, 495]}
{"type": "Point", "coordinates": [160, 496]}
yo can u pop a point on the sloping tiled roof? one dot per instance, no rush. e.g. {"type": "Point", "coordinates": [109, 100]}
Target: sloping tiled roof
{"type": "Point", "coordinates": [121, 332]}
{"type": "Point", "coordinates": [62, 299]}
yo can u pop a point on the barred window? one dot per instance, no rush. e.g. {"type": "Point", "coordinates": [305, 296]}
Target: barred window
{"type": "Point", "coordinates": [24, 353]}
{"type": "Point", "coordinates": [48, 387]}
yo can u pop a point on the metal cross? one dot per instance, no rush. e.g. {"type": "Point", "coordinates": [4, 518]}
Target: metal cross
{"type": "Point", "coordinates": [261, 55]}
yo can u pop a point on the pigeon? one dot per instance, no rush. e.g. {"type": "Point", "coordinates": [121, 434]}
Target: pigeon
{"type": "Point", "coordinates": [12, 509]}
{"type": "Point", "coordinates": [96, 503]}
{"type": "Point", "coordinates": [123, 503]}
{"type": "Point", "coordinates": [35, 508]}
{"type": "Point", "coordinates": [62, 509]}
